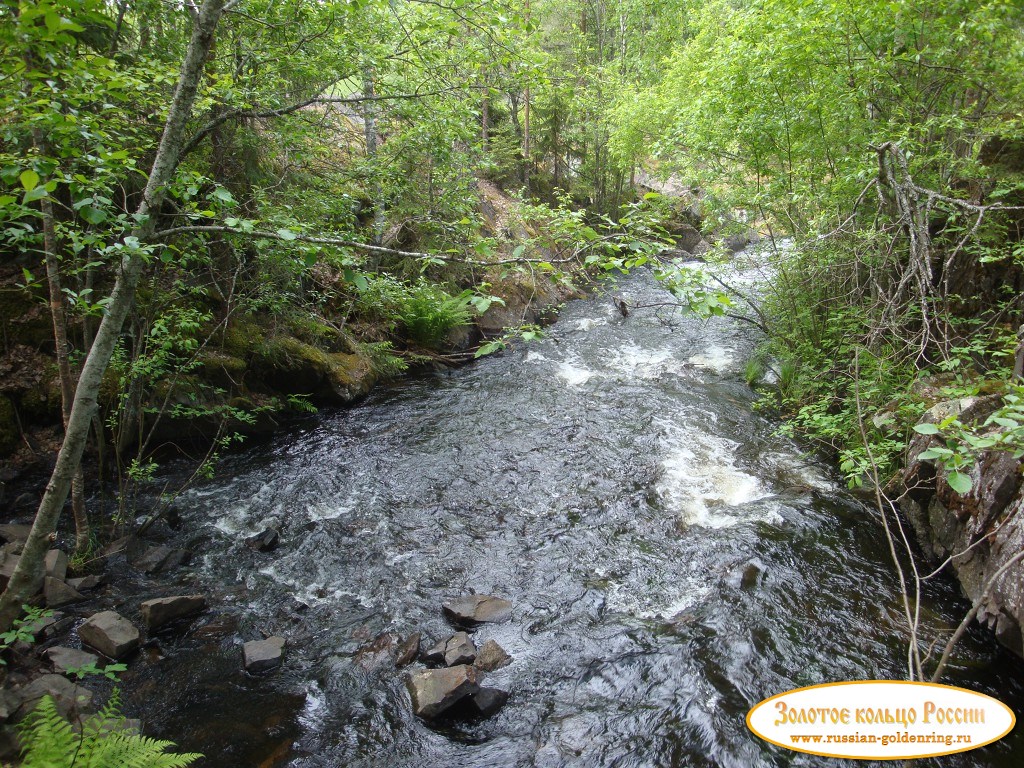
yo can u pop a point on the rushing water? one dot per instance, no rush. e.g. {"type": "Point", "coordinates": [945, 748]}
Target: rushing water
{"type": "Point", "coordinates": [671, 560]}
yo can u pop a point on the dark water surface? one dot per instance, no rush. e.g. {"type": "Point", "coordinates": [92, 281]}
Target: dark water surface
{"type": "Point", "coordinates": [671, 562]}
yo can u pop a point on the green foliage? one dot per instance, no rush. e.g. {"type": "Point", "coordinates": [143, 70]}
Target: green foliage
{"type": "Point", "coordinates": [110, 671]}
{"type": "Point", "coordinates": [24, 628]}
{"type": "Point", "coordinates": [50, 741]}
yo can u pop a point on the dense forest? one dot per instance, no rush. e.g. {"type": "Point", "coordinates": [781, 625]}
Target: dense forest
{"type": "Point", "coordinates": [219, 217]}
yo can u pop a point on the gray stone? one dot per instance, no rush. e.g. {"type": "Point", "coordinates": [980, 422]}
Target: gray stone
{"type": "Point", "coordinates": [263, 655]}
{"type": "Point", "coordinates": [14, 532]}
{"type": "Point", "coordinates": [477, 609]}
{"type": "Point", "coordinates": [487, 701]}
{"type": "Point", "coordinates": [64, 659]}
{"type": "Point", "coordinates": [57, 593]}
{"type": "Point", "coordinates": [163, 610]}
{"type": "Point", "coordinates": [161, 559]}
{"type": "Point", "coordinates": [407, 650]}
{"type": "Point", "coordinates": [9, 703]}
{"type": "Point", "coordinates": [457, 649]}
{"type": "Point", "coordinates": [85, 583]}
{"type": "Point", "coordinates": [434, 691]}
{"type": "Point", "coordinates": [72, 700]}
{"type": "Point", "coordinates": [56, 564]}
{"type": "Point", "coordinates": [110, 633]}
{"type": "Point", "coordinates": [266, 541]}
{"type": "Point", "coordinates": [491, 657]}
{"type": "Point", "coordinates": [7, 568]}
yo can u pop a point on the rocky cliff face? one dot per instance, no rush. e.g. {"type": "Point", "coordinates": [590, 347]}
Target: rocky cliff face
{"type": "Point", "coordinates": [982, 530]}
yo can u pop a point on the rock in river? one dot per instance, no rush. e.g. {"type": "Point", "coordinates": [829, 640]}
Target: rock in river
{"type": "Point", "coordinates": [163, 610]}
{"type": "Point", "coordinates": [457, 649]}
{"type": "Point", "coordinates": [434, 691]}
{"type": "Point", "coordinates": [487, 701]}
{"type": "Point", "coordinates": [110, 633]}
{"type": "Point", "coordinates": [263, 655]}
{"type": "Point", "coordinates": [64, 659]}
{"type": "Point", "coordinates": [407, 650]}
{"type": "Point", "coordinates": [471, 610]}
{"type": "Point", "coordinates": [491, 656]}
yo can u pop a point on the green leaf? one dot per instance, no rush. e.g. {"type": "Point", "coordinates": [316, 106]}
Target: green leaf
{"type": "Point", "coordinates": [926, 429]}
{"type": "Point", "coordinates": [518, 252]}
{"type": "Point", "coordinates": [286, 234]}
{"type": "Point", "coordinates": [959, 482]}
{"type": "Point", "coordinates": [29, 179]}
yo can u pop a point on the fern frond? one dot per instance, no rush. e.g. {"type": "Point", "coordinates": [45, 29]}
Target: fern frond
{"type": "Point", "coordinates": [50, 742]}
{"type": "Point", "coordinates": [47, 738]}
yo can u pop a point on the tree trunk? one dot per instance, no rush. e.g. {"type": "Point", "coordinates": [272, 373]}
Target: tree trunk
{"type": "Point", "coordinates": [62, 347]}
{"type": "Point", "coordinates": [28, 575]}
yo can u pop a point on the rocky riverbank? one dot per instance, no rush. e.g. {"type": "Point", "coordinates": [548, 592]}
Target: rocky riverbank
{"type": "Point", "coordinates": [979, 533]}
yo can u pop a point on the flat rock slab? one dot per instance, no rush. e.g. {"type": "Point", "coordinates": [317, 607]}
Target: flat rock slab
{"type": "Point", "coordinates": [161, 559]}
{"type": "Point", "coordinates": [15, 532]}
{"type": "Point", "coordinates": [163, 610]}
{"type": "Point", "coordinates": [471, 610]}
{"type": "Point", "coordinates": [71, 699]}
{"type": "Point", "coordinates": [263, 655]}
{"type": "Point", "coordinates": [491, 656]}
{"type": "Point", "coordinates": [434, 691]}
{"type": "Point", "coordinates": [111, 634]}
{"type": "Point", "coordinates": [84, 583]}
{"type": "Point", "coordinates": [487, 701]}
{"type": "Point", "coordinates": [57, 593]}
{"type": "Point", "coordinates": [64, 659]}
{"type": "Point", "coordinates": [56, 564]}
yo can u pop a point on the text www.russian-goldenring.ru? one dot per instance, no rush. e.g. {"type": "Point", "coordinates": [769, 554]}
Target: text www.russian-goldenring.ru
{"type": "Point", "coordinates": [885, 740]}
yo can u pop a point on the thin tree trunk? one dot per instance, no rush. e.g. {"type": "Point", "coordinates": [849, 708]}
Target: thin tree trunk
{"type": "Point", "coordinates": [28, 574]}
{"type": "Point", "coordinates": [64, 374]}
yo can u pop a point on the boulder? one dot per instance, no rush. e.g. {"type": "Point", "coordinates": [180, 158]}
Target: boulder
{"type": "Point", "coordinates": [266, 541]}
{"type": "Point", "coordinates": [13, 532]}
{"type": "Point", "coordinates": [163, 610]}
{"type": "Point", "coordinates": [9, 703]}
{"type": "Point", "coordinates": [471, 610]}
{"type": "Point", "coordinates": [457, 649]}
{"type": "Point", "coordinates": [64, 659]}
{"type": "Point", "coordinates": [56, 564]}
{"type": "Point", "coordinates": [7, 568]}
{"type": "Point", "coordinates": [57, 593]}
{"type": "Point", "coordinates": [263, 655]}
{"type": "Point", "coordinates": [434, 691]}
{"type": "Point", "coordinates": [110, 633]}
{"type": "Point", "coordinates": [72, 700]}
{"type": "Point", "coordinates": [491, 656]}
{"type": "Point", "coordinates": [161, 559]}
{"type": "Point", "coordinates": [85, 583]}
{"type": "Point", "coordinates": [487, 701]}
{"type": "Point", "coordinates": [407, 650]}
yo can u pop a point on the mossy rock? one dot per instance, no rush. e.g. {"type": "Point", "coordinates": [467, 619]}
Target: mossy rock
{"type": "Point", "coordinates": [317, 333]}
{"type": "Point", "coordinates": [243, 338]}
{"type": "Point", "coordinates": [221, 369]}
{"type": "Point", "coordinates": [351, 376]}
{"type": "Point", "coordinates": [291, 366]}
{"type": "Point", "coordinates": [9, 431]}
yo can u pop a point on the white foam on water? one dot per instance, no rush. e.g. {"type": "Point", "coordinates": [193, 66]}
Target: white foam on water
{"type": "Point", "coordinates": [646, 603]}
{"type": "Point", "coordinates": [590, 323]}
{"type": "Point", "coordinates": [533, 356]}
{"type": "Point", "coordinates": [640, 363]}
{"type": "Point", "coordinates": [701, 481]}
{"type": "Point", "coordinates": [715, 358]}
{"type": "Point", "coordinates": [574, 375]}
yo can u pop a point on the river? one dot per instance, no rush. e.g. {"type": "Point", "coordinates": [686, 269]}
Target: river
{"type": "Point", "coordinates": [670, 558]}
